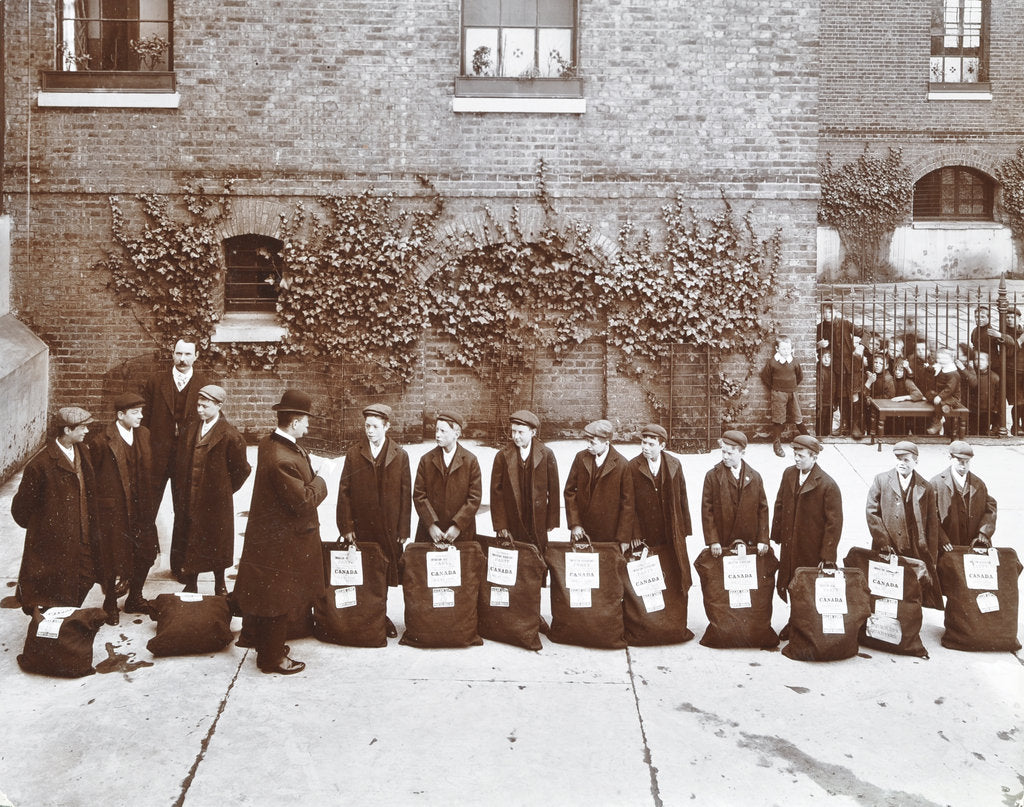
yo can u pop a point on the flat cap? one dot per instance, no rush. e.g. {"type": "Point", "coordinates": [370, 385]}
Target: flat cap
{"type": "Point", "coordinates": [654, 430]}
{"type": "Point", "coordinates": [961, 448]}
{"type": "Point", "coordinates": [293, 400]}
{"type": "Point", "coordinates": [72, 416]}
{"type": "Point", "coordinates": [808, 442]}
{"type": "Point", "coordinates": [213, 393]}
{"type": "Point", "coordinates": [524, 417]}
{"type": "Point", "coordinates": [379, 410]}
{"type": "Point", "coordinates": [452, 416]}
{"type": "Point", "coordinates": [128, 400]}
{"type": "Point", "coordinates": [905, 447]}
{"type": "Point", "coordinates": [600, 428]}
{"type": "Point", "coordinates": [734, 437]}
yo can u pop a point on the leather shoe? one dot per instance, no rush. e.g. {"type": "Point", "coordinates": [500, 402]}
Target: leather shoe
{"type": "Point", "coordinates": [220, 591]}
{"type": "Point", "coordinates": [285, 666]}
{"type": "Point", "coordinates": [137, 605]}
{"type": "Point", "coordinates": [392, 630]}
{"type": "Point", "coordinates": [112, 616]}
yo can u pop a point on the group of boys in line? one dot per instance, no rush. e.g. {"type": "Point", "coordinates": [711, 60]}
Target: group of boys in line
{"type": "Point", "coordinates": [89, 506]}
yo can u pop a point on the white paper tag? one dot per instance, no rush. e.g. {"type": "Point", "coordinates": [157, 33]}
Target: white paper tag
{"type": "Point", "coordinates": [444, 598]}
{"type": "Point", "coordinates": [58, 612]}
{"type": "Point", "coordinates": [830, 595]}
{"type": "Point", "coordinates": [49, 628]}
{"type": "Point", "coordinates": [444, 569]}
{"type": "Point", "coordinates": [580, 598]}
{"type": "Point", "coordinates": [345, 597]}
{"type": "Point", "coordinates": [980, 572]}
{"type": "Point", "coordinates": [646, 575]}
{"type": "Point", "coordinates": [885, 580]}
{"type": "Point", "coordinates": [884, 628]}
{"type": "Point", "coordinates": [502, 566]}
{"type": "Point", "coordinates": [740, 572]}
{"type": "Point", "coordinates": [988, 602]}
{"type": "Point", "coordinates": [189, 596]}
{"type": "Point", "coordinates": [993, 552]}
{"type": "Point", "coordinates": [582, 570]}
{"type": "Point", "coordinates": [832, 624]}
{"type": "Point", "coordinates": [886, 607]}
{"type": "Point", "coordinates": [346, 567]}
{"type": "Point", "coordinates": [654, 602]}
{"type": "Point", "coordinates": [499, 597]}
{"type": "Point", "coordinates": [740, 598]}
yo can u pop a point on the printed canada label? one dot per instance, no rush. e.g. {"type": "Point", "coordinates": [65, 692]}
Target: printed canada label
{"type": "Point", "coordinates": [740, 572]}
{"type": "Point", "coordinates": [988, 602]}
{"type": "Point", "coordinates": [346, 567]}
{"type": "Point", "coordinates": [830, 595]}
{"type": "Point", "coordinates": [502, 566]}
{"type": "Point", "coordinates": [49, 628]}
{"type": "Point", "coordinates": [832, 624]}
{"type": "Point", "coordinates": [345, 597]}
{"type": "Point", "coordinates": [886, 607]}
{"type": "Point", "coordinates": [740, 598]}
{"type": "Point", "coordinates": [582, 570]}
{"type": "Point", "coordinates": [444, 569]}
{"type": "Point", "coordinates": [885, 629]}
{"type": "Point", "coordinates": [189, 596]}
{"type": "Point", "coordinates": [654, 602]}
{"type": "Point", "coordinates": [444, 598]}
{"type": "Point", "coordinates": [499, 597]}
{"type": "Point", "coordinates": [980, 572]}
{"type": "Point", "coordinates": [646, 575]}
{"type": "Point", "coordinates": [580, 598]}
{"type": "Point", "coordinates": [885, 580]}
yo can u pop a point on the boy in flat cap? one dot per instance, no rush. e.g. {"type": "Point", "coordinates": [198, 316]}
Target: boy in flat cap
{"type": "Point", "coordinates": [966, 510]}
{"type": "Point", "coordinates": [127, 536]}
{"type": "Point", "coordinates": [448, 486]}
{"type": "Point", "coordinates": [808, 518]}
{"type": "Point", "coordinates": [56, 504]}
{"type": "Point", "coordinates": [902, 516]}
{"type": "Point", "coordinates": [733, 504]}
{"type": "Point", "coordinates": [524, 485]}
{"type": "Point", "coordinates": [374, 495]}
{"type": "Point", "coordinates": [211, 469]}
{"type": "Point", "coordinates": [599, 490]}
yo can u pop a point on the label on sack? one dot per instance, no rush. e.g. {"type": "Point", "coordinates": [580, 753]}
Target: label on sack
{"type": "Point", "coordinates": [988, 602]}
{"type": "Point", "coordinates": [740, 599]}
{"type": "Point", "coordinates": [885, 580]}
{"type": "Point", "coordinates": [832, 624]}
{"type": "Point", "coordinates": [502, 566]}
{"type": "Point", "coordinates": [58, 612]}
{"type": "Point", "coordinates": [886, 607]}
{"type": "Point", "coordinates": [980, 572]}
{"type": "Point", "coordinates": [53, 618]}
{"type": "Point", "coordinates": [580, 598]}
{"type": "Point", "coordinates": [189, 596]}
{"type": "Point", "coordinates": [444, 569]}
{"type": "Point", "coordinates": [654, 602]}
{"type": "Point", "coordinates": [346, 567]}
{"type": "Point", "coordinates": [444, 598]}
{"type": "Point", "coordinates": [830, 595]}
{"type": "Point", "coordinates": [884, 628]}
{"type": "Point", "coordinates": [499, 597]}
{"type": "Point", "coordinates": [993, 553]}
{"type": "Point", "coordinates": [582, 570]}
{"type": "Point", "coordinates": [740, 572]}
{"type": "Point", "coordinates": [345, 597]}
{"type": "Point", "coordinates": [646, 575]}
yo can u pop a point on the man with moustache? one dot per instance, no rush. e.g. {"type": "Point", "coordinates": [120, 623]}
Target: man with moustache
{"type": "Point", "coordinates": [599, 490]}
{"type": "Point", "coordinates": [448, 486]}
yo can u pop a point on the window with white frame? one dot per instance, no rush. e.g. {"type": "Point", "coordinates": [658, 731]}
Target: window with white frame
{"type": "Point", "coordinates": [954, 193]}
{"type": "Point", "coordinates": [958, 52]}
{"type": "Point", "coordinates": [519, 38]}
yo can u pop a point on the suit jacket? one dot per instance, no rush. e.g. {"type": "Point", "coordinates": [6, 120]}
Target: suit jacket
{"type": "Point", "coordinates": [446, 500]}
{"type": "Point", "coordinates": [807, 525]}
{"type": "Point", "coordinates": [209, 471]}
{"type": "Point", "coordinates": [506, 494]}
{"type": "Point", "coordinates": [601, 499]}
{"type": "Point", "coordinates": [725, 521]}
{"type": "Point", "coordinates": [281, 569]}
{"type": "Point", "coordinates": [48, 504]}
{"type": "Point", "coordinates": [158, 408]}
{"type": "Point", "coordinates": [646, 500]}
{"type": "Point", "coordinates": [981, 515]}
{"type": "Point", "coordinates": [380, 514]}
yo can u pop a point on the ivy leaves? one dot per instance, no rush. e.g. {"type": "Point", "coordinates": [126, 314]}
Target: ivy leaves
{"type": "Point", "coordinates": [1010, 174]}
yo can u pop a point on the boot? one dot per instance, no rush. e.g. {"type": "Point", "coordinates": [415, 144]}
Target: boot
{"type": "Point", "coordinates": [191, 583]}
{"type": "Point", "coordinates": [936, 426]}
{"type": "Point", "coordinates": [220, 588]}
{"type": "Point", "coordinates": [857, 429]}
{"type": "Point", "coordinates": [777, 440]}
{"type": "Point", "coordinates": [801, 428]}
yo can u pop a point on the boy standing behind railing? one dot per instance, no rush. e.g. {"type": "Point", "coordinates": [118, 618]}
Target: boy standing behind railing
{"type": "Point", "coordinates": [781, 375]}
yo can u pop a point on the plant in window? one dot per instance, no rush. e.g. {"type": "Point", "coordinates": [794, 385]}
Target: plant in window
{"type": "Point", "coordinates": [482, 62]}
{"type": "Point", "coordinates": [72, 60]}
{"type": "Point", "coordinates": [559, 66]}
{"type": "Point", "coordinates": [150, 50]}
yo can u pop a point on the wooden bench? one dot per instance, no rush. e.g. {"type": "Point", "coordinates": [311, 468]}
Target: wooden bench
{"type": "Point", "coordinates": [881, 408]}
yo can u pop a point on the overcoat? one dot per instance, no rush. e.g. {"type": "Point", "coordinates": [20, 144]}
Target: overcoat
{"type": "Point", "coordinates": [48, 505]}
{"type": "Point", "coordinates": [446, 499]}
{"type": "Point", "coordinates": [807, 525]}
{"type": "Point", "coordinates": [210, 470]}
{"type": "Point", "coordinates": [158, 408]}
{"type": "Point", "coordinates": [281, 568]}
{"type": "Point", "coordinates": [981, 511]}
{"type": "Point", "coordinates": [646, 501]}
{"type": "Point", "coordinates": [127, 534]}
{"type": "Point", "coordinates": [506, 494]}
{"type": "Point", "coordinates": [377, 511]}
{"type": "Point", "coordinates": [605, 508]}
{"type": "Point", "coordinates": [725, 521]}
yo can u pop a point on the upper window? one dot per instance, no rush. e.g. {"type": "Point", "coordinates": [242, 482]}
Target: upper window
{"type": "Point", "coordinates": [253, 268]}
{"type": "Point", "coordinates": [958, 42]}
{"type": "Point", "coordinates": [954, 193]}
{"type": "Point", "coordinates": [519, 38]}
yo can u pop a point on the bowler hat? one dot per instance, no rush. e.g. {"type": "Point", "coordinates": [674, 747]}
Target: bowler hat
{"type": "Point", "coordinates": [293, 400]}
{"type": "Point", "coordinates": [904, 447]}
{"type": "Point", "coordinates": [452, 417]}
{"type": "Point", "coordinates": [379, 410]}
{"type": "Point", "coordinates": [213, 393]}
{"type": "Point", "coordinates": [654, 430]}
{"type": "Point", "coordinates": [600, 428]}
{"type": "Point", "coordinates": [961, 448]}
{"type": "Point", "coordinates": [128, 400]}
{"type": "Point", "coordinates": [808, 442]}
{"type": "Point", "coordinates": [524, 417]}
{"type": "Point", "coordinates": [734, 437]}
{"type": "Point", "coordinates": [74, 416]}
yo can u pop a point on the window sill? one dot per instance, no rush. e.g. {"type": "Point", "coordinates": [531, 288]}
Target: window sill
{"type": "Point", "coordinates": [111, 89]}
{"type": "Point", "coordinates": [110, 100]}
{"type": "Point", "coordinates": [980, 91]}
{"type": "Point", "coordinates": [248, 327]}
{"type": "Point", "coordinates": [957, 224]}
{"type": "Point", "coordinates": [539, 95]}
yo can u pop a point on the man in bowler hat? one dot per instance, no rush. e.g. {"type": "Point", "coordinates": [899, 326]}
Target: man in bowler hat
{"type": "Point", "coordinates": [733, 504]}
{"type": "Point", "coordinates": [599, 490]}
{"type": "Point", "coordinates": [448, 486]}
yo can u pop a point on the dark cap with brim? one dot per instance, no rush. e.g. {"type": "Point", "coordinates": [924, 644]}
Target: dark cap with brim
{"type": "Point", "coordinates": [128, 400]}
{"type": "Point", "coordinates": [379, 410]}
{"type": "Point", "coordinates": [524, 417]}
{"type": "Point", "coordinates": [905, 447]}
{"type": "Point", "coordinates": [734, 437]}
{"type": "Point", "coordinates": [294, 400]}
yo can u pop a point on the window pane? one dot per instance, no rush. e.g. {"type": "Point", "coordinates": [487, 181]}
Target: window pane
{"type": "Point", "coordinates": [481, 51]}
{"type": "Point", "coordinates": [555, 51]}
{"type": "Point", "coordinates": [555, 13]}
{"type": "Point", "coordinates": [481, 12]}
{"type": "Point", "coordinates": [252, 264]}
{"type": "Point", "coordinates": [519, 12]}
{"type": "Point", "coordinates": [517, 51]}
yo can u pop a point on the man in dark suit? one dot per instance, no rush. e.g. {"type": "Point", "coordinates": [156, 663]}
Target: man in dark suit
{"type": "Point", "coordinates": [121, 458]}
{"type": "Point", "coordinates": [448, 486]}
{"type": "Point", "coordinates": [56, 504]}
{"type": "Point", "coordinates": [169, 402]}
{"type": "Point", "coordinates": [281, 570]}
{"type": "Point", "coordinates": [599, 490]}
{"type": "Point", "coordinates": [524, 485]}
{"type": "Point", "coordinates": [374, 495]}
{"type": "Point", "coordinates": [733, 503]}
{"type": "Point", "coordinates": [966, 510]}
{"type": "Point", "coordinates": [662, 509]}
{"type": "Point", "coordinates": [808, 518]}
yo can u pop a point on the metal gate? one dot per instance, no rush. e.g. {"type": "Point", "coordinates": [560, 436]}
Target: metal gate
{"type": "Point", "coordinates": [694, 399]}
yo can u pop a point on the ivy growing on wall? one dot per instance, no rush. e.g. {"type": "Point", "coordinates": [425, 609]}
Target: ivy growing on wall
{"type": "Point", "coordinates": [1010, 174]}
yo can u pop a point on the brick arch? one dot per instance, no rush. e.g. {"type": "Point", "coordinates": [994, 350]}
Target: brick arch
{"type": "Point", "coordinates": [254, 216]}
{"type": "Point", "coordinates": [954, 155]}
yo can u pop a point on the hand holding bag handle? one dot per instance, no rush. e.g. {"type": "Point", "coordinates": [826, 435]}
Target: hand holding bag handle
{"type": "Point", "coordinates": [581, 544]}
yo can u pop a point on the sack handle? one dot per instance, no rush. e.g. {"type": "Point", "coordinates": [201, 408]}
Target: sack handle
{"type": "Point", "coordinates": [506, 542]}
{"type": "Point", "coordinates": [579, 545]}
{"type": "Point", "coordinates": [640, 551]}
{"type": "Point", "coordinates": [736, 543]}
{"type": "Point", "coordinates": [981, 545]}
{"type": "Point", "coordinates": [828, 567]}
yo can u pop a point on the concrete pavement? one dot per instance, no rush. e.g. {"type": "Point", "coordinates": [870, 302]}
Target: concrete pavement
{"type": "Point", "coordinates": [497, 725]}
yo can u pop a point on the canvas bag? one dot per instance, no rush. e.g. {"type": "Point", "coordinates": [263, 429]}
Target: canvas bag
{"type": "Point", "coordinates": [828, 608]}
{"type": "Point", "coordinates": [509, 604]}
{"type": "Point", "coordinates": [894, 586]}
{"type": "Point", "coordinates": [738, 616]}
{"type": "Point", "coordinates": [439, 615]}
{"type": "Point", "coordinates": [587, 616]}
{"type": "Point", "coordinates": [190, 624]}
{"type": "Point", "coordinates": [654, 617]}
{"type": "Point", "coordinates": [353, 611]}
{"type": "Point", "coordinates": [981, 602]}
{"type": "Point", "coordinates": [59, 641]}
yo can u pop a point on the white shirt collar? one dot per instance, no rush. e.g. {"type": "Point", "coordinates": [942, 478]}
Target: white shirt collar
{"type": "Point", "coordinates": [654, 465]}
{"type": "Point", "coordinates": [448, 456]}
{"type": "Point", "coordinates": [905, 480]}
{"type": "Point", "coordinates": [599, 461]}
{"type": "Point", "coordinates": [960, 478]}
{"type": "Point", "coordinates": [128, 435]}
{"type": "Point", "coordinates": [68, 452]}
{"type": "Point", "coordinates": [780, 360]}
{"type": "Point", "coordinates": [375, 450]}
{"type": "Point", "coordinates": [180, 378]}
{"type": "Point", "coordinates": [524, 453]}
{"type": "Point", "coordinates": [736, 471]}
{"type": "Point", "coordinates": [285, 435]}
{"type": "Point", "coordinates": [205, 428]}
